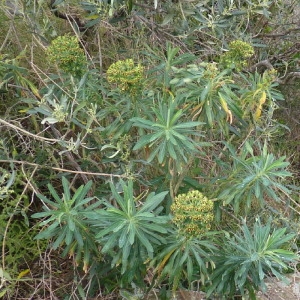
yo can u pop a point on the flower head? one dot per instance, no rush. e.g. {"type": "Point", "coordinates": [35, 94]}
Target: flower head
{"type": "Point", "coordinates": [192, 213]}
{"type": "Point", "coordinates": [66, 53]}
{"type": "Point", "coordinates": [126, 75]}
{"type": "Point", "coordinates": [237, 55]}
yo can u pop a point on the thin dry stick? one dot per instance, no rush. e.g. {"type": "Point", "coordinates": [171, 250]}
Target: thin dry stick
{"type": "Point", "coordinates": [70, 157]}
{"type": "Point", "coordinates": [28, 133]}
{"type": "Point", "coordinates": [22, 162]}
{"type": "Point", "coordinates": [6, 38]}
{"type": "Point", "coordinates": [39, 71]}
{"type": "Point", "coordinates": [99, 51]}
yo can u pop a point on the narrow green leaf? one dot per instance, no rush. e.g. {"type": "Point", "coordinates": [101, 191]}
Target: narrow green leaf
{"type": "Point", "coordinates": [118, 198]}
{"type": "Point", "coordinates": [69, 237]}
{"type": "Point", "coordinates": [125, 254]}
{"type": "Point", "coordinates": [78, 237]}
{"type": "Point", "coordinates": [70, 223]}
{"type": "Point", "coordinates": [143, 141]}
{"type": "Point", "coordinates": [205, 92]}
{"type": "Point", "coordinates": [83, 192]}
{"type": "Point", "coordinates": [174, 118]}
{"type": "Point", "coordinates": [60, 238]}
{"type": "Point", "coordinates": [42, 214]}
{"type": "Point", "coordinates": [66, 188]}
{"type": "Point", "coordinates": [131, 233]}
{"type": "Point", "coordinates": [162, 152]}
{"type": "Point", "coordinates": [120, 225]}
{"type": "Point", "coordinates": [54, 194]}
{"type": "Point", "coordinates": [187, 125]}
{"type": "Point", "coordinates": [142, 123]}
{"type": "Point", "coordinates": [153, 201]}
{"type": "Point", "coordinates": [171, 151]}
{"type": "Point", "coordinates": [123, 238]}
{"type": "Point", "coordinates": [109, 229]}
{"type": "Point", "coordinates": [109, 244]}
{"type": "Point", "coordinates": [143, 239]}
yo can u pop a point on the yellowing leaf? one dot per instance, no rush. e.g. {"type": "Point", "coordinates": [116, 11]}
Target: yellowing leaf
{"type": "Point", "coordinates": [226, 109]}
{"type": "Point", "coordinates": [164, 261]}
{"type": "Point", "coordinates": [85, 267]}
{"type": "Point", "coordinates": [261, 102]}
{"type": "Point", "coordinates": [197, 110]}
{"type": "Point", "coordinates": [263, 98]}
{"type": "Point", "coordinates": [32, 87]}
{"type": "Point", "coordinates": [92, 17]}
{"type": "Point", "coordinates": [23, 273]}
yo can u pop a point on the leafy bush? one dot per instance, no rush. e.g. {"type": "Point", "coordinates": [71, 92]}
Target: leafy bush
{"type": "Point", "coordinates": [252, 178]}
{"type": "Point", "coordinates": [248, 257]}
{"type": "Point", "coordinates": [184, 258]}
{"type": "Point", "coordinates": [182, 124]}
{"type": "Point", "coordinates": [187, 252]}
{"type": "Point", "coordinates": [131, 231]}
{"type": "Point", "coordinates": [67, 221]}
{"type": "Point", "coordinates": [169, 137]}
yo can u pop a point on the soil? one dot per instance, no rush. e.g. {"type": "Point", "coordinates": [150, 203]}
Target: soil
{"type": "Point", "coordinates": [278, 290]}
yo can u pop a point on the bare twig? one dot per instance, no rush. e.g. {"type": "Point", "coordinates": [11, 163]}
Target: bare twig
{"type": "Point", "coordinates": [276, 35]}
{"type": "Point", "coordinates": [288, 77]}
{"type": "Point", "coordinates": [22, 162]}
{"type": "Point", "coordinates": [70, 156]}
{"type": "Point", "coordinates": [28, 133]}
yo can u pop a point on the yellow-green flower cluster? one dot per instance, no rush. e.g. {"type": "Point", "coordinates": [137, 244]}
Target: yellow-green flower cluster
{"type": "Point", "coordinates": [211, 71]}
{"type": "Point", "coordinates": [126, 75]}
{"type": "Point", "coordinates": [237, 55]}
{"type": "Point", "coordinates": [124, 144]}
{"type": "Point", "coordinates": [192, 213]}
{"type": "Point", "coordinates": [67, 54]}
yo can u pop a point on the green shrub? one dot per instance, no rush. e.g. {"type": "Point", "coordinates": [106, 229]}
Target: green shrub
{"type": "Point", "coordinates": [67, 220]}
{"type": "Point", "coordinates": [169, 136]}
{"type": "Point", "coordinates": [247, 257]}
{"type": "Point", "coordinates": [131, 230]}
{"type": "Point", "coordinates": [183, 259]}
{"type": "Point", "coordinates": [148, 120]}
{"type": "Point", "coordinates": [251, 178]}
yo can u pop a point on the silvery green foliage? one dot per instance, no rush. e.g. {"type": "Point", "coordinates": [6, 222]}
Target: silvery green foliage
{"type": "Point", "coordinates": [67, 220]}
{"type": "Point", "coordinates": [252, 177]}
{"type": "Point", "coordinates": [168, 136]}
{"type": "Point", "coordinates": [250, 255]}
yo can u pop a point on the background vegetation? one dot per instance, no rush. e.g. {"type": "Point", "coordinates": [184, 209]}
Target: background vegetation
{"type": "Point", "coordinates": [148, 147]}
